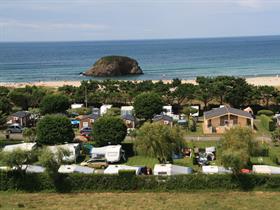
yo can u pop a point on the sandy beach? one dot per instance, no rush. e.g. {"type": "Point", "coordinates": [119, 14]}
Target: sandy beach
{"type": "Point", "coordinates": [272, 81]}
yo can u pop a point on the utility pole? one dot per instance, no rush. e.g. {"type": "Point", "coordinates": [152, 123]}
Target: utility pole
{"type": "Point", "coordinates": [86, 99]}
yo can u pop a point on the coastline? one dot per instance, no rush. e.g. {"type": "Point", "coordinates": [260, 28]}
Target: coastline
{"type": "Point", "coordinates": [257, 81]}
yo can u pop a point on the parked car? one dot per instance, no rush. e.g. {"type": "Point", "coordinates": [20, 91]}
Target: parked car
{"type": "Point", "coordinates": [14, 129]}
{"type": "Point", "coordinates": [95, 163]}
{"type": "Point", "coordinates": [86, 130]}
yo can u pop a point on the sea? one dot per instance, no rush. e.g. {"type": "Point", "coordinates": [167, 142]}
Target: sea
{"type": "Point", "coordinates": [159, 59]}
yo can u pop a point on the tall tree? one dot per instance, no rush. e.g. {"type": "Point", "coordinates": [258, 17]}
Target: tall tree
{"type": "Point", "coordinates": [54, 129]}
{"type": "Point", "coordinates": [159, 141]}
{"type": "Point", "coordinates": [237, 145]}
{"type": "Point", "coordinates": [54, 103]}
{"type": "Point", "coordinates": [205, 90]}
{"type": "Point", "coordinates": [146, 105]}
{"type": "Point", "coordinates": [109, 130]}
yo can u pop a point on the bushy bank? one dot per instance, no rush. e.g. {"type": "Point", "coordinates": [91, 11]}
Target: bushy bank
{"type": "Point", "coordinates": [97, 183]}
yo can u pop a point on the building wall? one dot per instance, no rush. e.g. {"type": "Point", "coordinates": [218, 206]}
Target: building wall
{"type": "Point", "coordinates": [217, 128]}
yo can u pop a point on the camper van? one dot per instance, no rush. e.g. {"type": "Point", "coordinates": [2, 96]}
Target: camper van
{"type": "Point", "coordinates": [170, 169]}
{"type": "Point", "coordinates": [112, 153]}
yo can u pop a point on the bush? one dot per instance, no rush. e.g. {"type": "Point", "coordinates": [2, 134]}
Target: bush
{"type": "Point", "coordinates": [54, 129]}
{"type": "Point", "coordinates": [268, 123]}
{"type": "Point", "coordinates": [265, 112]}
{"type": "Point", "coordinates": [127, 173]}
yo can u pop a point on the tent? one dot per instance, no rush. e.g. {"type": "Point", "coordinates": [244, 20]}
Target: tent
{"type": "Point", "coordinates": [74, 150]}
{"type": "Point", "coordinates": [215, 170]}
{"type": "Point", "coordinates": [111, 153]}
{"type": "Point", "coordinates": [266, 169]}
{"type": "Point", "coordinates": [23, 146]}
{"type": "Point", "coordinates": [170, 169]}
{"type": "Point", "coordinates": [114, 169]}
{"type": "Point", "coordinates": [33, 169]}
{"type": "Point", "coordinates": [66, 169]}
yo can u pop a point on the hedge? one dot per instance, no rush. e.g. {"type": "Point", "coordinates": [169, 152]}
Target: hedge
{"type": "Point", "coordinates": [265, 112]}
{"type": "Point", "coordinates": [268, 123]}
{"type": "Point", "coordinates": [97, 182]}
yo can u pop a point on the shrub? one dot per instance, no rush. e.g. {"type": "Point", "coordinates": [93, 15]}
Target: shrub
{"type": "Point", "coordinates": [54, 129]}
{"type": "Point", "coordinates": [267, 122]}
{"type": "Point", "coordinates": [98, 182]}
{"type": "Point", "coordinates": [265, 112]}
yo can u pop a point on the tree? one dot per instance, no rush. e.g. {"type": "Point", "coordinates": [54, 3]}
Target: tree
{"type": "Point", "coordinates": [29, 96]}
{"type": "Point", "coordinates": [5, 105]}
{"type": "Point", "coordinates": [30, 134]}
{"type": "Point", "coordinates": [159, 141]}
{"type": "Point", "coordinates": [52, 161]}
{"type": "Point", "coordinates": [240, 93]}
{"type": "Point", "coordinates": [3, 119]}
{"type": "Point", "coordinates": [146, 105]}
{"type": "Point", "coordinates": [17, 158]}
{"type": "Point", "coordinates": [188, 111]}
{"type": "Point", "coordinates": [184, 92]}
{"type": "Point", "coordinates": [267, 93]}
{"type": "Point", "coordinates": [205, 90]}
{"type": "Point", "coordinates": [54, 129]}
{"type": "Point", "coordinates": [109, 130]}
{"type": "Point", "coordinates": [52, 104]}
{"type": "Point", "coordinates": [276, 135]}
{"type": "Point", "coordinates": [237, 145]}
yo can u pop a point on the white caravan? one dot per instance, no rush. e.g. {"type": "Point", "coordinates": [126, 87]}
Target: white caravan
{"type": "Point", "coordinates": [24, 146]}
{"type": "Point", "coordinates": [265, 169]}
{"type": "Point", "coordinates": [114, 169]}
{"type": "Point", "coordinates": [74, 151]}
{"type": "Point", "coordinates": [66, 169]}
{"type": "Point", "coordinates": [215, 170]}
{"type": "Point", "coordinates": [170, 169]}
{"type": "Point", "coordinates": [112, 153]}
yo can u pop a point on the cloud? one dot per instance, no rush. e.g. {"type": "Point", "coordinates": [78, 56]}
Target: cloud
{"type": "Point", "coordinates": [254, 4]}
{"type": "Point", "coordinates": [51, 25]}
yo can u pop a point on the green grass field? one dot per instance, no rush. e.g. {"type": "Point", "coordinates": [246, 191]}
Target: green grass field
{"type": "Point", "coordinates": [199, 200]}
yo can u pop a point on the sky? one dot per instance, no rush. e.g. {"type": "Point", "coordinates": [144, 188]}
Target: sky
{"type": "Point", "coordinates": [81, 20]}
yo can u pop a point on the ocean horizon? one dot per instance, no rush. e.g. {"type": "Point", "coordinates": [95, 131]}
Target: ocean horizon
{"type": "Point", "coordinates": [159, 59]}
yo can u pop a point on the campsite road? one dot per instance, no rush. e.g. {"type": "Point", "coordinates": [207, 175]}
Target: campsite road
{"type": "Point", "coordinates": [217, 138]}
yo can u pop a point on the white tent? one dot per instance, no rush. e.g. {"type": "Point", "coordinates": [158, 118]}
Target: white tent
{"type": "Point", "coordinates": [73, 149]}
{"type": "Point", "coordinates": [66, 169]}
{"type": "Point", "coordinates": [76, 106]}
{"type": "Point", "coordinates": [104, 108]}
{"type": "Point", "coordinates": [111, 153]}
{"type": "Point", "coordinates": [265, 169]}
{"type": "Point", "coordinates": [23, 146]}
{"type": "Point", "coordinates": [114, 169]}
{"type": "Point", "coordinates": [170, 169]}
{"type": "Point", "coordinates": [215, 170]}
{"type": "Point", "coordinates": [33, 169]}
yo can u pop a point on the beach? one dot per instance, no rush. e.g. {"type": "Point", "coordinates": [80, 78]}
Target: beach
{"type": "Point", "coordinates": [257, 81]}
